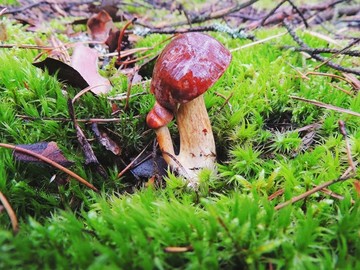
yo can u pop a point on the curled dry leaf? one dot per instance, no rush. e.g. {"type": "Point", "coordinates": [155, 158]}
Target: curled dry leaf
{"type": "Point", "coordinates": [84, 60]}
{"type": "Point", "coordinates": [99, 25]}
{"type": "Point", "coordinates": [46, 149]}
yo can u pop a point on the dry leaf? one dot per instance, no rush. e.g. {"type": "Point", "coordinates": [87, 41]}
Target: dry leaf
{"type": "Point", "coordinates": [105, 140]}
{"type": "Point", "coordinates": [84, 60]}
{"type": "Point", "coordinates": [99, 25]}
{"type": "Point", "coordinates": [46, 149]}
{"type": "Point", "coordinates": [64, 72]}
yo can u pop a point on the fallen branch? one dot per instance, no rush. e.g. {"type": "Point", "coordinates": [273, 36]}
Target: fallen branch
{"type": "Point", "coordinates": [316, 56]}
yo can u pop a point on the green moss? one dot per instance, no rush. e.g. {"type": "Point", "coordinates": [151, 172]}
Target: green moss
{"type": "Point", "coordinates": [229, 222]}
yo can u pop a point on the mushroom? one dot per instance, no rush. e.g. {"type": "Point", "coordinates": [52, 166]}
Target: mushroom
{"type": "Point", "coordinates": [188, 66]}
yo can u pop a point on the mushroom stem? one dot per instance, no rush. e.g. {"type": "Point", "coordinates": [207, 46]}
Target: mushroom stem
{"type": "Point", "coordinates": [197, 144]}
{"type": "Point", "coordinates": [166, 145]}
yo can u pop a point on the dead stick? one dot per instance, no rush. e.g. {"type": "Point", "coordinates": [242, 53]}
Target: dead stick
{"type": "Point", "coordinates": [11, 213]}
{"type": "Point", "coordinates": [337, 53]}
{"type": "Point", "coordinates": [51, 162]}
{"type": "Point", "coordinates": [306, 194]}
{"type": "Point", "coordinates": [326, 106]}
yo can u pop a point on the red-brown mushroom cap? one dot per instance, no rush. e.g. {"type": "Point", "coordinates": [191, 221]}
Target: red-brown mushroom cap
{"type": "Point", "coordinates": [188, 66]}
{"type": "Point", "coordinates": [158, 117]}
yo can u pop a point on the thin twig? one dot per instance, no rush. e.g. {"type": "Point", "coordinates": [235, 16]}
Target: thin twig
{"type": "Point", "coordinates": [345, 176]}
{"type": "Point", "coordinates": [11, 213]}
{"type": "Point", "coordinates": [51, 162]}
{"type": "Point", "coordinates": [316, 56]}
{"type": "Point", "coordinates": [299, 12]}
{"type": "Point", "coordinates": [21, 9]}
{"type": "Point", "coordinates": [326, 106]}
{"type": "Point", "coordinates": [339, 52]}
{"type": "Point", "coordinates": [121, 36]}
{"type": "Point", "coordinates": [257, 42]}
{"type": "Point", "coordinates": [214, 14]}
{"type": "Point", "coordinates": [271, 12]}
{"type": "Point", "coordinates": [132, 162]}
{"type": "Point", "coordinates": [85, 90]}
{"type": "Point", "coordinates": [334, 195]}
{"type": "Point", "coordinates": [89, 120]}
{"type": "Point", "coordinates": [355, 53]}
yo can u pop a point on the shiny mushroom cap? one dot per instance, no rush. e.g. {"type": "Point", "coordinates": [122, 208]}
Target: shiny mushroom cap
{"type": "Point", "coordinates": [188, 66]}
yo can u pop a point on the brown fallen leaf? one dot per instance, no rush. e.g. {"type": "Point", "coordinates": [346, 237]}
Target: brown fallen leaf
{"type": "Point", "coordinates": [105, 140]}
{"type": "Point", "coordinates": [84, 60]}
{"type": "Point", "coordinates": [64, 72]}
{"type": "Point", "coordinates": [46, 149]}
{"type": "Point", "coordinates": [99, 25]}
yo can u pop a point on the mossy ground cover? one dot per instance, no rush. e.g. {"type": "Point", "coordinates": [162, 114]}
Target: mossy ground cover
{"type": "Point", "coordinates": [229, 222]}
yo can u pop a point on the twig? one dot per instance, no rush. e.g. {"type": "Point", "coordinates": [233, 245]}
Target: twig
{"type": "Point", "coordinates": [21, 9]}
{"type": "Point", "coordinates": [214, 14]}
{"type": "Point", "coordinates": [299, 12]}
{"type": "Point", "coordinates": [2, 11]}
{"type": "Point", "coordinates": [90, 158]}
{"type": "Point", "coordinates": [326, 106]}
{"type": "Point", "coordinates": [278, 6]}
{"type": "Point", "coordinates": [51, 162]}
{"type": "Point", "coordinates": [339, 52]}
{"type": "Point", "coordinates": [331, 76]}
{"type": "Point", "coordinates": [313, 190]}
{"type": "Point", "coordinates": [132, 162]}
{"type": "Point", "coordinates": [276, 194]}
{"type": "Point", "coordinates": [129, 86]}
{"type": "Point", "coordinates": [11, 213]}
{"type": "Point", "coordinates": [85, 90]}
{"type": "Point", "coordinates": [334, 195]}
{"type": "Point", "coordinates": [271, 12]}
{"type": "Point", "coordinates": [208, 28]}
{"type": "Point", "coordinates": [316, 56]}
{"type": "Point", "coordinates": [257, 42]}
{"type": "Point", "coordinates": [89, 120]}
{"type": "Point", "coordinates": [225, 102]}
{"type": "Point", "coordinates": [355, 53]}
{"type": "Point", "coordinates": [121, 36]}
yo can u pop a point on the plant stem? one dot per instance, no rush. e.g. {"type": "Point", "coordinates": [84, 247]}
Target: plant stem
{"type": "Point", "coordinates": [11, 213]}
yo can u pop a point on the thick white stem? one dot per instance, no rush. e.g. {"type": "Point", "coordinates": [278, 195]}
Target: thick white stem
{"type": "Point", "coordinates": [197, 144]}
